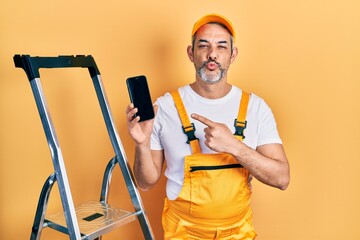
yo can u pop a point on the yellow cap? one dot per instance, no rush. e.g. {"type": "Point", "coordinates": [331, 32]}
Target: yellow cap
{"type": "Point", "coordinates": [213, 17]}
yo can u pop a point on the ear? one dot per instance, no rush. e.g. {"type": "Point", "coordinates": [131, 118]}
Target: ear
{"type": "Point", "coordinates": [190, 53]}
{"type": "Point", "coordinates": [234, 54]}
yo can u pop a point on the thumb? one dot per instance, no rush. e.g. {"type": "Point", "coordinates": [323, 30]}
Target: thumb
{"type": "Point", "coordinates": [156, 107]}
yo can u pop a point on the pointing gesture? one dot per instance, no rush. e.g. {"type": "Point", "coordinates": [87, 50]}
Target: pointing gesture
{"type": "Point", "coordinates": [203, 120]}
{"type": "Point", "coordinates": [218, 136]}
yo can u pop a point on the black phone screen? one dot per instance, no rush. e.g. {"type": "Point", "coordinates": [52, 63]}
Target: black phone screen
{"type": "Point", "coordinates": [140, 96]}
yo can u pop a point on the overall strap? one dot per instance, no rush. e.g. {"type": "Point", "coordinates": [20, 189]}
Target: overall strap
{"type": "Point", "coordinates": [188, 128]}
{"type": "Point", "coordinates": [240, 122]}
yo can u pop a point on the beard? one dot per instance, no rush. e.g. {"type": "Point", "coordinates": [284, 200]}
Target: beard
{"type": "Point", "coordinates": [208, 76]}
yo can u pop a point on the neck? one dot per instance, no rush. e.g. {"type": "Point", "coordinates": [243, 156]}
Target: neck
{"type": "Point", "coordinates": [211, 90]}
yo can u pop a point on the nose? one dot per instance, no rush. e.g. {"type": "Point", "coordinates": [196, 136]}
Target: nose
{"type": "Point", "coordinates": [212, 53]}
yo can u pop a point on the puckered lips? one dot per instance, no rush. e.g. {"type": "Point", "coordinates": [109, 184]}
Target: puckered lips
{"type": "Point", "coordinates": [212, 66]}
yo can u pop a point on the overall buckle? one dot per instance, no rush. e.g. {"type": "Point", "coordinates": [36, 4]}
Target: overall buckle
{"type": "Point", "coordinates": [190, 133]}
{"type": "Point", "coordinates": [239, 128]}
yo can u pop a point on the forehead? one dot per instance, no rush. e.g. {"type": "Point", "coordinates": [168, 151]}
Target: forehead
{"type": "Point", "coordinates": [213, 32]}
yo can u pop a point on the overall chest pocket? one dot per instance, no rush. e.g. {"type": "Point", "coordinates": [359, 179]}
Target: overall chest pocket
{"type": "Point", "coordinates": [217, 183]}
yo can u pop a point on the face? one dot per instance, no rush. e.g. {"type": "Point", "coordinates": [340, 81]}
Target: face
{"type": "Point", "coordinates": [211, 53]}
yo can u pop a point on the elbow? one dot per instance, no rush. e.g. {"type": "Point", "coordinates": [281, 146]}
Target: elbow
{"type": "Point", "coordinates": [146, 185]}
{"type": "Point", "coordinates": [145, 182]}
{"type": "Point", "coordinates": [284, 186]}
{"type": "Point", "coordinates": [144, 189]}
{"type": "Point", "coordinates": [284, 183]}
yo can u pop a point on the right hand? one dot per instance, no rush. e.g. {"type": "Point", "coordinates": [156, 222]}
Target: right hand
{"type": "Point", "coordinates": [139, 131]}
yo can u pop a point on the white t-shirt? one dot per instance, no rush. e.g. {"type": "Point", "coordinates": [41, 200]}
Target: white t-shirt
{"type": "Point", "coordinates": [168, 134]}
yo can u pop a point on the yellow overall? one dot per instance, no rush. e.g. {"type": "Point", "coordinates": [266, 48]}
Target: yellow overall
{"type": "Point", "coordinates": [214, 202]}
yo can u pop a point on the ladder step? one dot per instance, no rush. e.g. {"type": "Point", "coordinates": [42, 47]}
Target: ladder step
{"type": "Point", "coordinates": [94, 218]}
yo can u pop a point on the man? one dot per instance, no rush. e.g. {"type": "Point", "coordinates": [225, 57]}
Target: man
{"type": "Point", "coordinates": [208, 167]}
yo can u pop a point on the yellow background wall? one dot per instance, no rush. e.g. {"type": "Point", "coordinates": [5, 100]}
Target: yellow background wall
{"type": "Point", "coordinates": [303, 57]}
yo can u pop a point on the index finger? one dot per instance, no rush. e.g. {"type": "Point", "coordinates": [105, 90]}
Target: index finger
{"type": "Point", "coordinates": [203, 120]}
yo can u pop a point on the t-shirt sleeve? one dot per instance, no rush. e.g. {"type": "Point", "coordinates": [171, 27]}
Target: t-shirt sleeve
{"type": "Point", "coordinates": [267, 129]}
{"type": "Point", "coordinates": [155, 140]}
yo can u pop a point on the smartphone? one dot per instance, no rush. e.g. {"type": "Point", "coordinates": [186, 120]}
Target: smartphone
{"type": "Point", "coordinates": [140, 96]}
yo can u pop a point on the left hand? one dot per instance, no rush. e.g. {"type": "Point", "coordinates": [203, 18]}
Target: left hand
{"type": "Point", "coordinates": [218, 136]}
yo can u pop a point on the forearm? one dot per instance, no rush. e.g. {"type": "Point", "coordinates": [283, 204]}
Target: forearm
{"type": "Point", "coordinates": [146, 172]}
{"type": "Point", "coordinates": [268, 163]}
{"type": "Point", "coordinates": [268, 166]}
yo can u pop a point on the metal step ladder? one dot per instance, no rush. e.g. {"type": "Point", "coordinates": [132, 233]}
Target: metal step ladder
{"type": "Point", "coordinates": [93, 219]}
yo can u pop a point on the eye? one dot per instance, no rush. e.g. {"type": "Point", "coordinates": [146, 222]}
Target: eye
{"type": "Point", "coordinates": [203, 46]}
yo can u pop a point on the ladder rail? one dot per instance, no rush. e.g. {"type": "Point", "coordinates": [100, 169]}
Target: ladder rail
{"type": "Point", "coordinates": [107, 180]}
{"type": "Point", "coordinates": [41, 207]}
{"type": "Point", "coordinates": [121, 158]}
{"type": "Point", "coordinates": [58, 160]}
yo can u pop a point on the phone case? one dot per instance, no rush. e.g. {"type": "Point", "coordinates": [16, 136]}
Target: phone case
{"type": "Point", "coordinates": [140, 96]}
